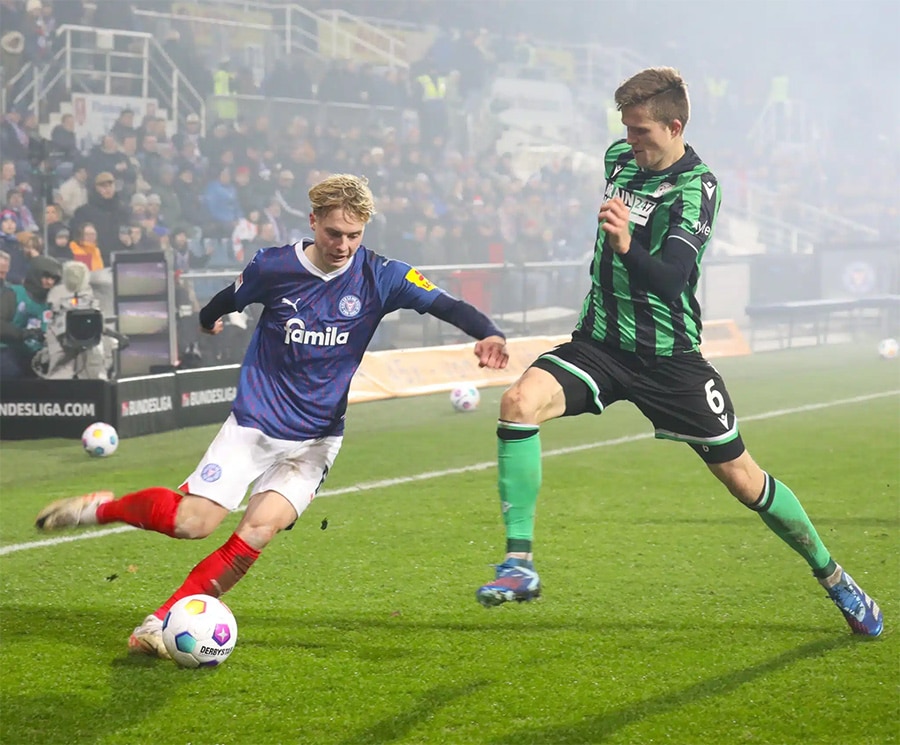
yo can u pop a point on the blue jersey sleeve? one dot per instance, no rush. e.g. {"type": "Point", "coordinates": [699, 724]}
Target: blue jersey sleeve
{"type": "Point", "coordinates": [250, 285]}
{"type": "Point", "coordinates": [402, 286]}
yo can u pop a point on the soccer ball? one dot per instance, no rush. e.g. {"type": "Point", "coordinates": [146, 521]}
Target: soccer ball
{"type": "Point", "coordinates": [199, 631]}
{"type": "Point", "coordinates": [465, 398]}
{"type": "Point", "coordinates": [888, 349]}
{"type": "Point", "coordinates": [100, 439]}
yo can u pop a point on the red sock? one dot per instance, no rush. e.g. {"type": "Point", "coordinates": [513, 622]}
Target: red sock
{"type": "Point", "coordinates": [216, 574]}
{"type": "Point", "coordinates": [148, 509]}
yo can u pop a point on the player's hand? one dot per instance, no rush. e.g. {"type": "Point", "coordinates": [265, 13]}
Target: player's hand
{"type": "Point", "coordinates": [216, 329]}
{"type": "Point", "coordinates": [613, 217]}
{"type": "Point", "coordinates": [491, 352]}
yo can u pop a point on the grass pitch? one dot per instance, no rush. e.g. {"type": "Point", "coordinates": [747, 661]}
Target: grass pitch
{"type": "Point", "coordinates": [670, 613]}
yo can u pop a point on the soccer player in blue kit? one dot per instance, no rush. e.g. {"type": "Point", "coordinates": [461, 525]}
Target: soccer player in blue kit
{"type": "Point", "coordinates": [322, 301]}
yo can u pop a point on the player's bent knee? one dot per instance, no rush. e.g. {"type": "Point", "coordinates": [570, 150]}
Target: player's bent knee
{"type": "Point", "coordinates": [742, 477]}
{"type": "Point", "coordinates": [198, 517]}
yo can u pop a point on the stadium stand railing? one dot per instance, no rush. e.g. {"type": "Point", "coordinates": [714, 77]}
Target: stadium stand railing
{"type": "Point", "coordinates": [105, 61]}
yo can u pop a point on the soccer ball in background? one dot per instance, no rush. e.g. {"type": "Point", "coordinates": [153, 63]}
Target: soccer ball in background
{"type": "Point", "coordinates": [888, 349]}
{"type": "Point", "coordinates": [465, 398]}
{"type": "Point", "coordinates": [199, 631]}
{"type": "Point", "coordinates": [100, 439]}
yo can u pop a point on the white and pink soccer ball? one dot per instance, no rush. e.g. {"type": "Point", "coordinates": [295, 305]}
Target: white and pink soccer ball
{"type": "Point", "coordinates": [888, 349]}
{"type": "Point", "coordinates": [465, 398]}
{"type": "Point", "coordinates": [199, 631]}
{"type": "Point", "coordinates": [100, 440]}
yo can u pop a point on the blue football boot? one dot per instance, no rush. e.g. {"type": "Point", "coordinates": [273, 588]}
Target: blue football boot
{"type": "Point", "coordinates": [861, 612]}
{"type": "Point", "coordinates": [516, 580]}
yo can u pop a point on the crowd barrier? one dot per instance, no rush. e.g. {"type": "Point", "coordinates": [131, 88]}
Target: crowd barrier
{"type": "Point", "coordinates": [38, 409]}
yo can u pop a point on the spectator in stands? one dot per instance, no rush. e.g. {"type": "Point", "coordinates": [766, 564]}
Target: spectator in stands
{"type": "Point", "coordinates": [265, 237]}
{"type": "Point", "coordinates": [105, 211]}
{"type": "Point", "coordinates": [154, 214]}
{"type": "Point", "coordinates": [224, 104]}
{"type": "Point", "coordinates": [124, 126]}
{"type": "Point", "coordinates": [292, 201]}
{"type": "Point", "coordinates": [64, 141]}
{"type": "Point", "coordinates": [73, 191]}
{"type": "Point", "coordinates": [272, 213]}
{"type": "Point", "coordinates": [84, 248]}
{"type": "Point", "coordinates": [13, 137]}
{"type": "Point", "coordinates": [53, 219]}
{"type": "Point", "coordinates": [4, 268]}
{"type": "Point", "coordinates": [140, 241]}
{"type": "Point", "coordinates": [15, 201]}
{"type": "Point", "coordinates": [7, 179]}
{"type": "Point", "coordinates": [24, 316]}
{"type": "Point", "coordinates": [150, 160]}
{"type": "Point", "coordinates": [9, 242]}
{"type": "Point", "coordinates": [132, 177]}
{"type": "Point", "coordinates": [37, 30]}
{"type": "Point", "coordinates": [107, 158]}
{"type": "Point", "coordinates": [59, 245]}
{"type": "Point", "coordinates": [245, 231]}
{"type": "Point", "coordinates": [170, 204]}
{"type": "Point", "coordinates": [188, 191]}
{"type": "Point", "coordinates": [138, 207]}
{"type": "Point", "coordinates": [190, 133]}
{"type": "Point", "coordinates": [32, 245]}
{"type": "Point", "coordinates": [222, 205]}
{"type": "Point", "coordinates": [123, 239]}
{"type": "Point", "coordinates": [215, 144]}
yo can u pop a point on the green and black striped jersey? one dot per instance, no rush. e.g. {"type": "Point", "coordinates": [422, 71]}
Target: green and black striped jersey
{"type": "Point", "coordinates": [682, 203]}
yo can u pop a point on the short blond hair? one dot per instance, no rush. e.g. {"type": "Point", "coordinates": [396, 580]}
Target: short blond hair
{"type": "Point", "coordinates": [346, 192]}
{"type": "Point", "coordinates": [661, 89]}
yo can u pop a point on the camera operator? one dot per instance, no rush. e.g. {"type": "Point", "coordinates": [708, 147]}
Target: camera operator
{"type": "Point", "coordinates": [76, 343]}
{"type": "Point", "coordinates": [24, 314]}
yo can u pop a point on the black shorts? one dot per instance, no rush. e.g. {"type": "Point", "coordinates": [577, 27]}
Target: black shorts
{"type": "Point", "coordinates": [683, 396]}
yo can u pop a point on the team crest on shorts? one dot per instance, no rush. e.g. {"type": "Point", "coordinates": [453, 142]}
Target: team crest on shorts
{"type": "Point", "coordinates": [350, 306]}
{"type": "Point", "coordinates": [211, 472]}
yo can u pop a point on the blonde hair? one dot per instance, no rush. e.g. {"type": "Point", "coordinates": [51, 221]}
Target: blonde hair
{"type": "Point", "coordinates": [661, 89]}
{"type": "Point", "coordinates": [346, 192]}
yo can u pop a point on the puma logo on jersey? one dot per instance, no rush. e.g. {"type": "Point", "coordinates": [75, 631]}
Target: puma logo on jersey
{"type": "Point", "coordinates": [293, 304]}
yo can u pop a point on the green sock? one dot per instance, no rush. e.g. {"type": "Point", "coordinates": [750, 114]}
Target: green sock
{"type": "Point", "coordinates": [782, 512]}
{"type": "Point", "coordinates": [519, 474]}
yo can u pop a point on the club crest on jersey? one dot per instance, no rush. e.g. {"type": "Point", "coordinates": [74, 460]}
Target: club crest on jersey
{"type": "Point", "coordinates": [350, 306]}
{"type": "Point", "coordinates": [211, 472]}
{"type": "Point", "coordinates": [295, 332]}
{"type": "Point", "coordinates": [418, 279]}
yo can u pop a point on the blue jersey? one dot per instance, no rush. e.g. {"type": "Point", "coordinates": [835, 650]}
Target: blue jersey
{"type": "Point", "coordinates": [312, 334]}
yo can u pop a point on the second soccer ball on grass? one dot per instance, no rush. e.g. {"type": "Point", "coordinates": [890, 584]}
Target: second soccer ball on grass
{"type": "Point", "coordinates": [465, 398]}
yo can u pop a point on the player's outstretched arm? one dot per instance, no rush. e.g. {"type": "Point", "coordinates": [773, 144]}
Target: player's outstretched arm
{"type": "Point", "coordinates": [221, 304]}
{"type": "Point", "coordinates": [490, 349]}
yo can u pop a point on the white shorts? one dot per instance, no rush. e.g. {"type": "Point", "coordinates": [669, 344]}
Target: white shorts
{"type": "Point", "coordinates": [242, 457]}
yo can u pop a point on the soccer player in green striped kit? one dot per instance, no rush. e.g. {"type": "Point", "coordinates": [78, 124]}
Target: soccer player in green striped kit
{"type": "Point", "coordinates": [638, 339]}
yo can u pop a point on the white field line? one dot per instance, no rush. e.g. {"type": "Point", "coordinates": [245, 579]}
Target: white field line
{"type": "Point", "coordinates": [384, 483]}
